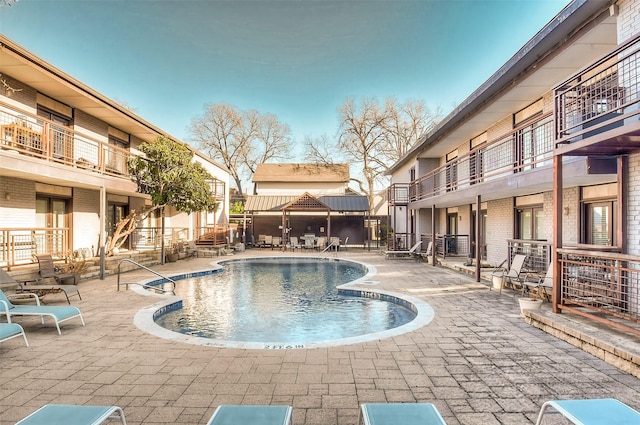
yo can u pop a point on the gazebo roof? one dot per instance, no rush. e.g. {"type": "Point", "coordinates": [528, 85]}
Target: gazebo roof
{"type": "Point", "coordinates": [274, 203]}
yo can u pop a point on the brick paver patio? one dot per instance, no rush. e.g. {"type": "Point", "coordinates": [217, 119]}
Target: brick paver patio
{"type": "Point", "coordinates": [477, 361]}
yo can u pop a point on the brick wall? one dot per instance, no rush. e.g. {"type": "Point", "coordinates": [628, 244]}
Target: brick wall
{"type": "Point", "coordinates": [86, 218]}
{"type": "Point", "coordinates": [628, 19]}
{"type": "Point", "coordinates": [95, 126]}
{"type": "Point", "coordinates": [20, 209]}
{"type": "Point", "coordinates": [499, 228]}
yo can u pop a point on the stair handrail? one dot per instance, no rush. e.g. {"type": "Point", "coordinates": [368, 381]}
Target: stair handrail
{"type": "Point", "coordinates": [129, 260]}
{"type": "Point", "coordinates": [331, 244]}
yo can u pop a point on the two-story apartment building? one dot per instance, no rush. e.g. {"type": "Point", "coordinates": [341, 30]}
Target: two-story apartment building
{"type": "Point", "coordinates": [541, 159]}
{"type": "Point", "coordinates": [64, 181]}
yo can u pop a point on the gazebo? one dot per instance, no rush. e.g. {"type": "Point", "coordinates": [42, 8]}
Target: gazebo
{"type": "Point", "coordinates": [328, 216]}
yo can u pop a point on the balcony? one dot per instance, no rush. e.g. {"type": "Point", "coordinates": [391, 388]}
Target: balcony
{"type": "Point", "coordinates": [31, 135]}
{"type": "Point", "coordinates": [525, 148]}
{"type": "Point", "coordinates": [597, 110]}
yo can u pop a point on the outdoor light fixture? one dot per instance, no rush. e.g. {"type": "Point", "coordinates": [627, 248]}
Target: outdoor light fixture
{"type": "Point", "coordinates": [566, 210]}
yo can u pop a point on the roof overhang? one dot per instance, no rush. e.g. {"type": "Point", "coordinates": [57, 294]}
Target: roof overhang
{"type": "Point", "coordinates": [579, 34]}
{"type": "Point", "coordinates": [21, 64]}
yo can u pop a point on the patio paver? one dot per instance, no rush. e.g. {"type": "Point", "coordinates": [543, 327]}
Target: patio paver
{"type": "Point", "coordinates": [477, 361]}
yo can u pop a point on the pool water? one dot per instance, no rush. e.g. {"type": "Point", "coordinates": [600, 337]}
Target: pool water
{"type": "Point", "coordinates": [290, 301]}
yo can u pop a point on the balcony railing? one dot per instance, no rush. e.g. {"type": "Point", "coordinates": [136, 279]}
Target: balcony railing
{"type": "Point", "coordinates": [538, 254]}
{"type": "Point", "coordinates": [600, 97]}
{"type": "Point", "coordinates": [398, 194]}
{"type": "Point", "coordinates": [602, 286]}
{"type": "Point", "coordinates": [527, 147]}
{"type": "Point", "coordinates": [34, 136]}
{"type": "Point", "coordinates": [20, 246]}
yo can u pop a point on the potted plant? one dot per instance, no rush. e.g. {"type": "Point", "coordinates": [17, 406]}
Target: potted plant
{"type": "Point", "coordinates": [532, 302]}
{"type": "Point", "coordinates": [171, 254]}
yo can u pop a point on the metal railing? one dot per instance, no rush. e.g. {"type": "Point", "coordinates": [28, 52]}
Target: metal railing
{"type": "Point", "coordinates": [152, 287]}
{"type": "Point", "coordinates": [447, 245]}
{"type": "Point", "coordinates": [20, 246]}
{"type": "Point", "coordinates": [602, 286]}
{"type": "Point", "coordinates": [35, 136]}
{"type": "Point", "coordinates": [601, 97]}
{"type": "Point", "coordinates": [526, 147]}
{"type": "Point", "coordinates": [538, 254]}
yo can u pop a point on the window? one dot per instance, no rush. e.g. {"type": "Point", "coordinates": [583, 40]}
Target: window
{"type": "Point", "coordinates": [115, 158]}
{"type": "Point", "coordinates": [534, 144]}
{"type": "Point", "coordinates": [530, 223]}
{"type": "Point", "coordinates": [476, 158]}
{"type": "Point", "coordinates": [62, 138]}
{"type": "Point", "coordinates": [452, 170]}
{"type": "Point", "coordinates": [599, 219]}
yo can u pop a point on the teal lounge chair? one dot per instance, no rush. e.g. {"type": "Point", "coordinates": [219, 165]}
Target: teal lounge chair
{"type": "Point", "coordinates": [389, 414]}
{"type": "Point", "coordinates": [68, 414]}
{"type": "Point", "coordinates": [228, 414]}
{"type": "Point", "coordinates": [601, 411]}
{"type": "Point", "coordinates": [58, 313]}
{"type": "Point", "coordinates": [12, 330]}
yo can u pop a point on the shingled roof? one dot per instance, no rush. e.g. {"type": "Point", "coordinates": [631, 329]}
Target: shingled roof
{"type": "Point", "coordinates": [301, 173]}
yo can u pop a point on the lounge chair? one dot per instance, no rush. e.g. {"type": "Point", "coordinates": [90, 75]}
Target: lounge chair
{"type": "Point", "coordinates": [601, 411]}
{"type": "Point", "coordinates": [12, 330]}
{"type": "Point", "coordinates": [404, 413]}
{"type": "Point", "coordinates": [69, 414]}
{"type": "Point", "coordinates": [309, 241]}
{"type": "Point", "coordinates": [69, 290]}
{"type": "Point", "coordinates": [403, 253]}
{"type": "Point", "coordinates": [228, 414]}
{"type": "Point", "coordinates": [294, 244]}
{"type": "Point", "coordinates": [514, 274]}
{"type": "Point", "coordinates": [48, 271]}
{"type": "Point", "coordinates": [59, 314]}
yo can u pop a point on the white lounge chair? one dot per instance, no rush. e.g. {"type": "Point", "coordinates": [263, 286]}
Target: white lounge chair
{"type": "Point", "coordinates": [228, 414]}
{"type": "Point", "coordinates": [69, 414]}
{"type": "Point", "coordinates": [544, 284]}
{"type": "Point", "coordinates": [400, 413]}
{"type": "Point", "coordinates": [403, 253]}
{"type": "Point", "coordinates": [601, 411]}
{"type": "Point", "coordinates": [59, 314]}
{"type": "Point", "coordinates": [12, 330]}
{"type": "Point", "coordinates": [514, 274]}
{"type": "Point", "coordinates": [294, 244]}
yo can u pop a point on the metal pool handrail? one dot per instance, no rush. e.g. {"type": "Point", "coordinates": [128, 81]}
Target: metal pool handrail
{"type": "Point", "coordinates": [173, 282]}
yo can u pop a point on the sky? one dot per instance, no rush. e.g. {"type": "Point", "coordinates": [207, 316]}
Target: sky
{"type": "Point", "coordinates": [297, 59]}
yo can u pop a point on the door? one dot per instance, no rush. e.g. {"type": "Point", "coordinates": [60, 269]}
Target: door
{"type": "Point", "coordinates": [450, 245]}
{"type": "Point", "coordinates": [52, 222]}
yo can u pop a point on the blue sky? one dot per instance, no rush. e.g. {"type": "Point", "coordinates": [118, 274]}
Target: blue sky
{"type": "Point", "coordinates": [297, 59]}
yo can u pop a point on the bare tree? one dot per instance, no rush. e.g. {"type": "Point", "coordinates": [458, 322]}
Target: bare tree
{"type": "Point", "coordinates": [322, 151]}
{"type": "Point", "coordinates": [272, 141]}
{"type": "Point", "coordinates": [404, 126]}
{"type": "Point", "coordinates": [240, 139]}
{"type": "Point", "coordinates": [361, 134]}
{"type": "Point", "coordinates": [373, 136]}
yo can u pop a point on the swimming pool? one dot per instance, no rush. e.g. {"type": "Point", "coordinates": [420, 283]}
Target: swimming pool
{"type": "Point", "coordinates": [283, 303]}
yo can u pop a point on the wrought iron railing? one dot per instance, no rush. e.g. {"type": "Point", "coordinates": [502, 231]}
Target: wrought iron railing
{"type": "Point", "coordinates": [603, 286]}
{"type": "Point", "coordinates": [600, 97]}
{"type": "Point", "coordinates": [526, 147]}
{"type": "Point", "coordinates": [32, 135]}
